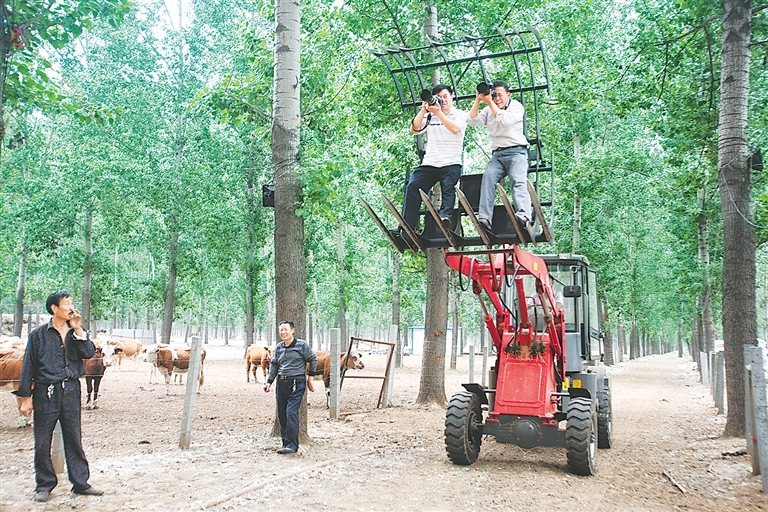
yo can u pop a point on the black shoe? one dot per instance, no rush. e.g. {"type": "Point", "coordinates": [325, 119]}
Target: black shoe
{"type": "Point", "coordinates": [485, 226]}
{"type": "Point", "coordinates": [396, 233]}
{"type": "Point", "coordinates": [531, 231]}
{"type": "Point", "coordinates": [42, 496]}
{"type": "Point", "coordinates": [91, 491]}
{"type": "Point", "coordinates": [285, 451]}
{"type": "Point", "coordinates": [447, 224]}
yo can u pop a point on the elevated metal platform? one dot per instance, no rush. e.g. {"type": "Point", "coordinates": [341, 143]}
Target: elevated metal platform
{"type": "Point", "coordinates": [515, 56]}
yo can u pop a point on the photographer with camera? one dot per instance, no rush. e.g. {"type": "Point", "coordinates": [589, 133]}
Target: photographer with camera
{"type": "Point", "coordinates": [503, 117]}
{"type": "Point", "coordinates": [445, 127]}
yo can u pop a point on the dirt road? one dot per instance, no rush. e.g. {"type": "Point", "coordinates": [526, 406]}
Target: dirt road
{"type": "Point", "coordinates": [666, 453]}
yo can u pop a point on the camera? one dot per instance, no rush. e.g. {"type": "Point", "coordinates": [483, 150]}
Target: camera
{"type": "Point", "coordinates": [431, 99]}
{"type": "Point", "coordinates": [485, 88]}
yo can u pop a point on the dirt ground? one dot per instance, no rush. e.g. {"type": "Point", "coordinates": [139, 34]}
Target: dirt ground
{"type": "Point", "coordinates": [666, 455]}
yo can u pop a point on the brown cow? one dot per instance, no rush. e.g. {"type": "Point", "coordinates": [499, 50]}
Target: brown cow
{"type": "Point", "coordinates": [94, 371]}
{"type": "Point", "coordinates": [10, 370]}
{"type": "Point", "coordinates": [324, 367]}
{"type": "Point", "coordinates": [257, 356]}
{"type": "Point", "coordinates": [124, 349]}
{"type": "Point", "coordinates": [170, 360]}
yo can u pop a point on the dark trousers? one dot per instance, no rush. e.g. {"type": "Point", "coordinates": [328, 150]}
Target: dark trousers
{"type": "Point", "coordinates": [424, 177]}
{"type": "Point", "coordinates": [62, 406]}
{"type": "Point", "coordinates": [289, 394]}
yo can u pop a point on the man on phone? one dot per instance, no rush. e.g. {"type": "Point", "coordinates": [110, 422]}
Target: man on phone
{"type": "Point", "coordinates": [53, 363]}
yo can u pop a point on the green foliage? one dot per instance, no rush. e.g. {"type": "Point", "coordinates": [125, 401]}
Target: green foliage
{"type": "Point", "coordinates": [160, 129]}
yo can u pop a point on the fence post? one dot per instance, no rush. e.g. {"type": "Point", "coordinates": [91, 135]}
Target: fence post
{"type": "Point", "coordinates": [719, 378]}
{"type": "Point", "coordinates": [753, 358]}
{"type": "Point", "coordinates": [485, 365]}
{"type": "Point", "coordinates": [704, 370]}
{"type": "Point", "coordinates": [333, 400]}
{"type": "Point", "coordinates": [749, 416]}
{"type": "Point", "coordinates": [193, 374]}
{"type": "Point", "coordinates": [471, 349]}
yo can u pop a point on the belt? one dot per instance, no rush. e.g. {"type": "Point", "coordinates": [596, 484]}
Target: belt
{"type": "Point", "coordinates": [288, 377]}
{"type": "Point", "coordinates": [508, 147]}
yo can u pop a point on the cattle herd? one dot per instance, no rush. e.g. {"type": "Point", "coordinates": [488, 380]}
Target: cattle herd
{"type": "Point", "coordinates": [170, 361]}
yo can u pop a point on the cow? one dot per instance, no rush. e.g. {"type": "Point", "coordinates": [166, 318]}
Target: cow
{"type": "Point", "coordinates": [10, 342]}
{"type": "Point", "coordinates": [170, 360]}
{"type": "Point", "coordinates": [11, 360]}
{"type": "Point", "coordinates": [150, 356]}
{"type": "Point", "coordinates": [94, 371]}
{"type": "Point", "coordinates": [324, 367]}
{"type": "Point", "coordinates": [257, 356]}
{"type": "Point", "coordinates": [126, 349]}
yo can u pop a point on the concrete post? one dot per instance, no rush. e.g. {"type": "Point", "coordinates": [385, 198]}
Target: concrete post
{"type": "Point", "coordinates": [386, 400]}
{"type": "Point", "coordinates": [485, 366]}
{"type": "Point", "coordinates": [719, 377]}
{"type": "Point", "coordinates": [704, 362]}
{"type": "Point", "coordinates": [333, 401]}
{"type": "Point", "coordinates": [753, 358]}
{"type": "Point", "coordinates": [471, 362]}
{"type": "Point", "coordinates": [190, 393]}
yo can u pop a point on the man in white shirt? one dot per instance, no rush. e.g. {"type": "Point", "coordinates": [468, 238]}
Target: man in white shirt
{"type": "Point", "coordinates": [445, 127]}
{"type": "Point", "coordinates": [503, 116]}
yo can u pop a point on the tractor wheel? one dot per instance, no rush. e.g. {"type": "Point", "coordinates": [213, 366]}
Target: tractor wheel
{"type": "Point", "coordinates": [604, 418]}
{"type": "Point", "coordinates": [463, 428]}
{"type": "Point", "coordinates": [581, 436]}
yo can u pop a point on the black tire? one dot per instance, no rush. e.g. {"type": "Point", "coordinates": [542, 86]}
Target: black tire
{"type": "Point", "coordinates": [604, 418]}
{"type": "Point", "coordinates": [463, 428]}
{"type": "Point", "coordinates": [581, 436]}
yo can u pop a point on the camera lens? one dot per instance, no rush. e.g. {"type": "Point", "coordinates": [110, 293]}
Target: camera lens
{"type": "Point", "coordinates": [483, 88]}
{"type": "Point", "coordinates": [426, 95]}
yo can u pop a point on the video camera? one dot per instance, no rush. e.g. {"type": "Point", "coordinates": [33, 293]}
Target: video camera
{"type": "Point", "coordinates": [485, 88]}
{"type": "Point", "coordinates": [430, 98]}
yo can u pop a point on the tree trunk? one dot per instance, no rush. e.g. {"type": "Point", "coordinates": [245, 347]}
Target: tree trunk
{"type": "Point", "coordinates": [88, 268]}
{"type": "Point", "coordinates": [18, 316]}
{"type": "Point", "coordinates": [607, 336]}
{"type": "Point", "coordinates": [634, 341]}
{"type": "Point", "coordinates": [290, 263]}
{"type": "Point", "coordinates": [707, 318]}
{"type": "Point", "coordinates": [396, 307]}
{"type": "Point", "coordinates": [576, 239]}
{"type": "Point", "coordinates": [250, 271]}
{"type": "Point", "coordinates": [454, 318]}
{"type": "Point", "coordinates": [188, 330]}
{"type": "Point", "coordinates": [695, 341]}
{"type": "Point", "coordinates": [622, 335]}
{"type": "Point", "coordinates": [170, 293]}
{"type": "Point", "coordinates": [290, 266]}
{"type": "Point", "coordinates": [249, 285]}
{"type": "Point", "coordinates": [341, 312]}
{"type": "Point", "coordinates": [5, 47]}
{"type": "Point", "coordinates": [680, 337]}
{"type": "Point", "coordinates": [432, 382]}
{"type": "Point", "coordinates": [735, 184]}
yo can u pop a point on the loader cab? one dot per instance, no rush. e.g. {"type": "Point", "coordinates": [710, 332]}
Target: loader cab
{"type": "Point", "coordinates": [576, 285]}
